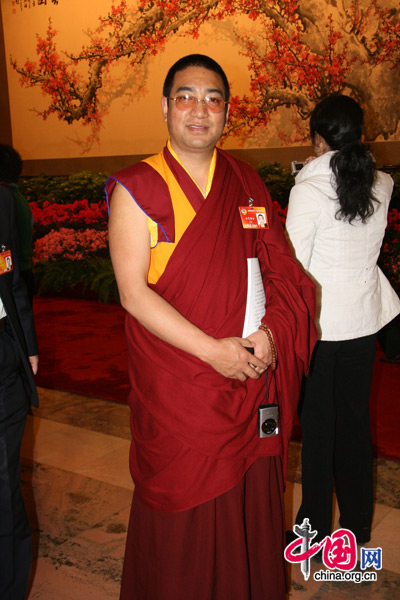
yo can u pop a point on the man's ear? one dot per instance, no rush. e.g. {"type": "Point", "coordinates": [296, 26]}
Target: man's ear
{"type": "Point", "coordinates": [164, 106]}
{"type": "Point", "coordinates": [227, 114]}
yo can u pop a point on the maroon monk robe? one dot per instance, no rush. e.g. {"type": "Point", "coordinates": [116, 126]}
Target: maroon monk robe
{"type": "Point", "coordinates": [195, 431]}
{"type": "Point", "coordinates": [229, 548]}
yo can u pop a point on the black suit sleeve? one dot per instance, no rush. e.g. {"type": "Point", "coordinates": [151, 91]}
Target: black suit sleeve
{"type": "Point", "coordinates": [16, 302]}
{"type": "Point", "coordinates": [20, 292]}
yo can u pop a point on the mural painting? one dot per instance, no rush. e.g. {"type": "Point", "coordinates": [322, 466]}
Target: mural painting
{"type": "Point", "coordinates": [95, 71]}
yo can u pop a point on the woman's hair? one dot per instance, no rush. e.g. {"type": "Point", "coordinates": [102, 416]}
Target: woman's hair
{"type": "Point", "coordinates": [10, 164]}
{"type": "Point", "coordinates": [339, 120]}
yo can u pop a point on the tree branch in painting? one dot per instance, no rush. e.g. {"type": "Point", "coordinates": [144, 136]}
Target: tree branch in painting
{"type": "Point", "coordinates": [74, 83]}
{"type": "Point", "coordinates": [313, 53]}
{"type": "Point", "coordinates": [298, 52]}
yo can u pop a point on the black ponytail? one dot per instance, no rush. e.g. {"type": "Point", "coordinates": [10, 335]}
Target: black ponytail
{"type": "Point", "coordinates": [354, 170]}
{"type": "Point", "coordinates": [339, 120]}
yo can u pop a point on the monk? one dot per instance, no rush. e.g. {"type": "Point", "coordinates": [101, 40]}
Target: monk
{"type": "Point", "coordinates": [207, 519]}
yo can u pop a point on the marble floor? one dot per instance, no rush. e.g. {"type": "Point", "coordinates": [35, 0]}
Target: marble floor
{"type": "Point", "coordinates": [78, 491]}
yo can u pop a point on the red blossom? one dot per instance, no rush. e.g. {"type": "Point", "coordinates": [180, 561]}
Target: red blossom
{"type": "Point", "coordinates": [286, 71]}
{"type": "Point", "coordinates": [69, 244]}
{"type": "Point", "coordinates": [77, 213]}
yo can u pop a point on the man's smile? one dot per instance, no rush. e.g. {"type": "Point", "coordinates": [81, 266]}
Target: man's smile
{"type": "Point", "coordinates": [198, 127]}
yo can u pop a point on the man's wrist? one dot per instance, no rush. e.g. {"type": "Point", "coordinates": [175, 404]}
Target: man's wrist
{"type": "Point", "coordinates": [207, 348]}
{"type": "Point", "coordinates": [264, 327]}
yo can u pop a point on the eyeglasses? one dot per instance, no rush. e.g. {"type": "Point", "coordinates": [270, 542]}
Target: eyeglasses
{"type": "Point", "coordinates": [212, 103]}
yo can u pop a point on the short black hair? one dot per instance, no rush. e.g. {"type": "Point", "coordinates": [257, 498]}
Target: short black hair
{"type": "Point", "coordinates": [10, 164]}
{"type": "Point", "coordinates": [195, 60]}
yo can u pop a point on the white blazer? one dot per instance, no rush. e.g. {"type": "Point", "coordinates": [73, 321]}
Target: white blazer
{"type": "Point", "coordinates": [354, 298]}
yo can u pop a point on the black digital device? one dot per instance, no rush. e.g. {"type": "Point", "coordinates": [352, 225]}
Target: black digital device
{"type": "Point", "coordinates": [296, 166]}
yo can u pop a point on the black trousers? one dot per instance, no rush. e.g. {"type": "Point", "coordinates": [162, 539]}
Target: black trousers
{"type": "Point", "coordinates": [337, 446]}
{"type": "Point", "coordinates": [15, 531]}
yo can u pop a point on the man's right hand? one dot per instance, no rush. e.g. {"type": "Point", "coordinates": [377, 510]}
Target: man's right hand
{"type": "Point", "coordinates": [229, 357]}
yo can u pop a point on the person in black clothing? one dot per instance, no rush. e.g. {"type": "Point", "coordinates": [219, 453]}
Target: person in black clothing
{"type": "Point", "coordinates": [18, 364]}
{"type": "Point", "coordinates": [10, 170]}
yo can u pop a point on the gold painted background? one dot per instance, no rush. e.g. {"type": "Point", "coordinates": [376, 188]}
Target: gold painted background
{"type": "Point", "coordinates": [85, 78]}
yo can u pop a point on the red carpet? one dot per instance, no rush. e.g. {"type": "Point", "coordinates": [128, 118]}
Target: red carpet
{"type": "Point", "coordinates": [82, 350]}
{"type": "Point", "coordinates": [385, 408]}
{"type": "Point", "coordinates": [81, 347]}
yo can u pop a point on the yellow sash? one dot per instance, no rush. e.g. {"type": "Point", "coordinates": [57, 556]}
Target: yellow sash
{"type": "Point", "coordinates": [184, 213]}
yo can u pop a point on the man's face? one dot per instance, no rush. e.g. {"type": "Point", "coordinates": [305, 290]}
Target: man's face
{"type": "Point", "coordinates": [196, 129]}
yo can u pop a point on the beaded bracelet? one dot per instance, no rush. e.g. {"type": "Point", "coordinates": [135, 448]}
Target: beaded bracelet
{"type": "Point", "coordinates": [267, 330]}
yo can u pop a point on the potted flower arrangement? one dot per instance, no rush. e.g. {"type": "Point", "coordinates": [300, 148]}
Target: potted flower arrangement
{"type": "Point", "coordinates": [70, 251]}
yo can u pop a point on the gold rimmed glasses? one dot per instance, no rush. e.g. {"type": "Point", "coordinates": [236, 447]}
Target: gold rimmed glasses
{"type": "Point", "coordinates": [214, 104]}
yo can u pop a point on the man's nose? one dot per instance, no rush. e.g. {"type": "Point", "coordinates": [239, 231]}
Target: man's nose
{"type": "Point", "coordinates": [200, 108]}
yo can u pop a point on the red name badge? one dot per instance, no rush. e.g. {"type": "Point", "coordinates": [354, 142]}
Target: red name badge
{"type": "Point", "coordinates": [6, 263]}
{"type": "Point", "coordinates": [253, 217]}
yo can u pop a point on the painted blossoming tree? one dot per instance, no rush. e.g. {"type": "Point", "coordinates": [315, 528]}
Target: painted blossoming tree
{"type": "Point", "coordinates": [298, 52]}
{"type": "Point", "coordinates": [303, 53]}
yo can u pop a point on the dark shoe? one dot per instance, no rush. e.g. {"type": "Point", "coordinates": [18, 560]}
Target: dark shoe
{"type": "Point", "coordinates": [363, 535]}
{"type": "Point", "coordinates": [363, 538]}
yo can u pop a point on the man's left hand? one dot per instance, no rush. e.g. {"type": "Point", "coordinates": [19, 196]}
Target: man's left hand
{"type": "Point", "coordinates": [262, 347]}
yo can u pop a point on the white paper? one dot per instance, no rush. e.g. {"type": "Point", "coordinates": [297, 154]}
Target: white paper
{"type": "Point", "coordinates": [255, 304]}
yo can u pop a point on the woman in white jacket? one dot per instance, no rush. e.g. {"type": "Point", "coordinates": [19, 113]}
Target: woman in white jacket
{"type": "Point", "coordinates": [336, 222]}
